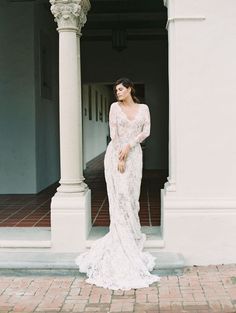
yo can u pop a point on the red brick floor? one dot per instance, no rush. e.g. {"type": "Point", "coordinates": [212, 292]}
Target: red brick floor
{"type": "Point", "coordinates": [201, 289]}
{"type": "Point", "coordinates": [29, 210]}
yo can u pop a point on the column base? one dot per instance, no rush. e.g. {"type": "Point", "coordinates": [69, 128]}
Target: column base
{"type": "Point", "coordinates": [70, 221]}
{"type": "Point", "coordinates": [202, 229]}
{"type": "Point", "coordinates": [170, 185]}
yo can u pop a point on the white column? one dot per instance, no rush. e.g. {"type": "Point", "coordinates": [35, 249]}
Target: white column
{"type": "Point", "coordinates": [199, 202]}
{"type": "Point", "coordinates": [79, 34]}
{"type": "Point", "coordinates": [170, 185]}
{"type": "Point", "coordinates": [71, 205]}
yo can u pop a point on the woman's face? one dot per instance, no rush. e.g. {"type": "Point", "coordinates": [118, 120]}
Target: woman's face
{"type": "Point", "coordinates": [122, 92]}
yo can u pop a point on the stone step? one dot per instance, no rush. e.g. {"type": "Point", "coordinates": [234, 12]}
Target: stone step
{"type": "Point", "coordinates": [16, 252]}
{"type": "Point", "coordinates": [25, 237]}
{"type": "Point", "coordinates": [58, 263]}
{"type": "Point", "coordinates": [153, 233]}
{"type": "Point", "coordinates": [40, 237]}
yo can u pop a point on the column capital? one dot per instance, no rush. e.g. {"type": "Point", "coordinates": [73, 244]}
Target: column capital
{"type": "Point", "coordinates": [70, 15]}
{"type": "Point", "coordinates": [81, 21]}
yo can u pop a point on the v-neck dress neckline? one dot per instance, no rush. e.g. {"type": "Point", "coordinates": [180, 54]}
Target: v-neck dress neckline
{"type": "Point", "coordinates": [126, 114]}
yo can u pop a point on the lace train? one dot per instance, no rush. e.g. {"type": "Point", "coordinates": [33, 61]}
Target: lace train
{"type": "Point", "coordinates": [110, 264]}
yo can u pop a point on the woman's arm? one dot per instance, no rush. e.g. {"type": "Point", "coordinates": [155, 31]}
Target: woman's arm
{"type": "Point", "coordinates": [115, 137]}
{"type": "Point", "coordinates": [145, 131]}
{"type": "Point", "coordinates": [113, 127]}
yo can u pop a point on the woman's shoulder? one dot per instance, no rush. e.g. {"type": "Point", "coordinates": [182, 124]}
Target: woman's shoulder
{"type": "Point", "coordinates": [145, 106]}
{"type": "Point", "coordinates": [114, 104]}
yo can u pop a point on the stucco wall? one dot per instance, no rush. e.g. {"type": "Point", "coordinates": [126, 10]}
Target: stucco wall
{"type": "Point", "coordinates": [95, 132]}
{"type": "Point", "coordinates": [204, 98]}
{"type": "Point", "coordinates": [198, 211]}
{"type": "Point", "coordinates": [17, 94]}
{"type": "Point", "coordinates": [29, 136]}
{"type": "Point", "coordinates": [47, 107]}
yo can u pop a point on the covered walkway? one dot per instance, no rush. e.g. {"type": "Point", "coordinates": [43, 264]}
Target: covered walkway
{"type": "Point", "coordinates": [34, 210]}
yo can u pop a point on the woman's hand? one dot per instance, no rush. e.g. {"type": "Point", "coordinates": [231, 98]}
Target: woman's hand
{"type": "Point", "coordinates": [123, 154]}
{"type": "Point", "coordinates": [121, 166]}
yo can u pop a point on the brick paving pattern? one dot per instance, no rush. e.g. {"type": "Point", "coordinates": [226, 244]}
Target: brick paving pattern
{"type": "Point", "coordinates": [200, 289]}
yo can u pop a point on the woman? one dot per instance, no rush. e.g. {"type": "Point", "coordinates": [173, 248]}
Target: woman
{"type": "Point", "coordinates": [116, 261]}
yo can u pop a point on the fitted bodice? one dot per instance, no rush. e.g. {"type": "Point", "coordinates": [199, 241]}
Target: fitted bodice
{"type": "Point", "coordinates": [123, 130]}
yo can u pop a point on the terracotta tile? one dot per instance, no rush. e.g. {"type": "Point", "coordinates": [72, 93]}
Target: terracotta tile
{"type": "Point", "coordinates": [29, 209]}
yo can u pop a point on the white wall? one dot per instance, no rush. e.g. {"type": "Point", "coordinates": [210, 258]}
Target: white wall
{"type": "Point", "coordinates": [95, 132]}
{"type": "Point", "coordinates": [206, 98]}
{"type": "Point", "coordinates": [47, 110]}
{"type": "Point", "coordinates": [29, 141]}
{"type": "Point", "coordinates": [143, 62]}
{"type": "Point", "coordinates": [17, 94]}
{"type": "Point", "coordinates": [200, 215]}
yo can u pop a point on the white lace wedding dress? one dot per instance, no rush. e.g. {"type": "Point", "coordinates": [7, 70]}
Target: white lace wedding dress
{"type": "Point", "coordinates": [116, 261]}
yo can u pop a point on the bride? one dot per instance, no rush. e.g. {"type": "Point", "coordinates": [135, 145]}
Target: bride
{"type": "Point", "coordinates": [116, 261]}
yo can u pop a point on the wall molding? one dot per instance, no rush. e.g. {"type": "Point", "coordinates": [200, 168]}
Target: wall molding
{"type": "Point", "coordinates": [184, 18]}
{"type": "Point", "coordinates": [201, 206]}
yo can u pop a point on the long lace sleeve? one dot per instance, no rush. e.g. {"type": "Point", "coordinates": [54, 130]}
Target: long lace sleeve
{"type": "Point", "coordinates": [113, 127]}
{"type": "Point", "coordinates": [146, 129]}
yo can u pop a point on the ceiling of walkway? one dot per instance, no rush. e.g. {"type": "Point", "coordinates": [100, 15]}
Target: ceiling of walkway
{"type": "Point", "coordinates": [142, 20]}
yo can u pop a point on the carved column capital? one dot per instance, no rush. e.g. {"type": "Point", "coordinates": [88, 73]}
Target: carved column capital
{"type": "Point", "coordinates": [70, 14]}
{"type": "Point", "coordinates": [81, 21]}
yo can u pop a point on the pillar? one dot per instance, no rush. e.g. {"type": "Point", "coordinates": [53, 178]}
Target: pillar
{"type": "Point", "coordinates": [199, 200]}
{"type": "Point", "coordinates": [71, 205]}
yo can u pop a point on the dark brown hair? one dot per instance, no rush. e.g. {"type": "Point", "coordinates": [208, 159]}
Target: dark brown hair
{"type": "Point", "coordinates": [126, 82]}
